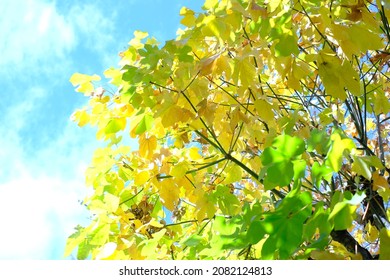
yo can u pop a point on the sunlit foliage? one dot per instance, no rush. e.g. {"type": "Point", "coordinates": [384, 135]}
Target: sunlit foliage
{"type": "Point", "coordinates": [263, 133]}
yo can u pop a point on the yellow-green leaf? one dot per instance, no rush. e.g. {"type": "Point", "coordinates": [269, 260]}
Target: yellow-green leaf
{"type": "Point", "coordinates": [335, 154]}
{"type": "Point", "coordinates": [111, 201]}
{"type": "Point", "coordinates": [384, 244]}
{"type": "Point", "coordinates": [84, 82]}
{"type": "Point", "coordinates": [179, 170]}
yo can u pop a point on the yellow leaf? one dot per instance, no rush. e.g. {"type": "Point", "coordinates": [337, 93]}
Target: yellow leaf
{"type": "Point", "coordinates": [115, 75]}
{"type": "Point", "coordinates": [207, 110]}
{"type": "Point", "coordinates": [384, 193]}
{"type": "Point", "coordinates": [179, 170]}
{"type": "Point", "coordinates": [216, 27]}
{"type": "Point", "coordinates": [169, 193]}
{"type": "Point", "coordinates": [193, 153]}
{"type": "Point", "coordinates": [136, 41]}
{"type": "Point", "coordinates": [170, 116]}
{"type": "Point", "coordinates": [206, 208]}
{"type": "Point", "coordinates": [111, 202]}
{"type": "Point", "coordinates": [84, 82]}
{"type": "Point", "coordinates": [210, 4]}
{"type": "Point", "coordinates": [188, 17]}
{"type": "Point", "coordinates": [207, 65]}
{"type": "Point", "coordinates": [379, 181]}
{"type": "Point", "coordinates": [81, 117]}
{"type": "Point", "coordinates": [335, 154]}
{"type": "Point", "coordinates": [264, 110]}
{"type": "Point", "coordinates": [236, 117]}
{"type": "Point", "coordinates": [350, 39]}
{"type": "Point", "coordinates": [244, 72]}
{"type": "Point", "coordinates": [156, 224]}
{"type": "Point", "coordinates": [372, 233]}
{"type": "Point", "coordinates": [257, 11]}
{"type": "Point", "coordinates": [127, 110]}
{"type": "Point", "coordinates": [274, 4]}
{"type": "Point", "coordinates": [147, 145]}
{"type": "Point", "coordinates": [158, 235]}
{"type": "Point", "coordinates": [234, 174]}
{"type": "Point", "coordinates": [381, 103]}
{"type": "Point", "coordinates": [141, 178]}
{"type": "Point", "coordinates": [337, 75]}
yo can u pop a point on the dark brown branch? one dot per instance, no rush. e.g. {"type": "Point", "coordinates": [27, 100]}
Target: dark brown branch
{"type": "Point", "coordinates": [343, 237]}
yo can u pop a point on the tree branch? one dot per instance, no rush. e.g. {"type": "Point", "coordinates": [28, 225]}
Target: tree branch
{"type": "Point", "coordinates": [343, 237]}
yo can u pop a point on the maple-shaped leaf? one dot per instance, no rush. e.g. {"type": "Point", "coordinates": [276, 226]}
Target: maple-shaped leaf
{"type": "Point", "coordinates": [147, 146]}
{"type": "Point", "coordinates": [84, 82]}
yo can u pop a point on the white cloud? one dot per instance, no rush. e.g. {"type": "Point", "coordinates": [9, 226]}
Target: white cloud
{"type": "Point", "coordinates": [32, 31]}
{"type": "Point", "coordinates": [36, 37]}
{"type": "Point", "coordinates": [38, 210]}
{"type": "Point", "coordinates": [39, 196]}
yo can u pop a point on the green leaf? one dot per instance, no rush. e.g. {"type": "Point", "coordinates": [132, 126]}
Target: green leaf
{"type": "Point", "coordinates": [84, 250]}
{"type": "Point", "coordinates": [269, 249]}
{"type": "Point", "coordinates": [193, 240]}
{"type": "Point", "coordinates": [270, 156]}
{"type": "Point", "coordinates": [343, 208]}
{"type": "Point", "coordinates": [144, 125]}
{"type": "Point", "coordinates": [373, 161]}
{"type": "Point", "coordinates": [289, 146]}
{"type": "Point", "coordinates": [279, 174]}
{"type": "Point", "coordinates": [319, 220]}
{"type": "Point", "coordinates": [255, 232]}
{"type": "Point", "coordinates": [299, 168]}
{"type": "Point", "coordinates": [278, 161]}
{"type": "Point", "coordinates": [227, 202]}
{"type": "Point", "coordinates": [227, 234]}
{"type": "Point", "coordinates": [319, 140]}
{"type": "Point", "coordinates": [335, 154]}
{"type": "Point", "coordinates": [115, 125]}
{"type": "Point", "coordinates": [286, 46]}
{"type": "Point", "coordinates": [284, 226]}
{"type": "Point", "coordinates": [251, 212]}
{"type": "Point", "coordinates": [361, 167]}
{"type": "Point", "coordinates": [100, 235]}
{"type": "Point", "coordinates": [319, 172]}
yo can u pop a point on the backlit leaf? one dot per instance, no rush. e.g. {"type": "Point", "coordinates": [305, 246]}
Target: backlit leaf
{"type": "Point", "coordinates": [84, 82]}
{"type": "Point", "coordinates": [361, 167]}
{"type": "Point", "coordinates": [343, 209]}
{"type": "Point", "coordinates": [335, 153]}
{"type": "Point", "coordinates": [144, 125]}
{"type": "Point", "coordinates": [115, 125]}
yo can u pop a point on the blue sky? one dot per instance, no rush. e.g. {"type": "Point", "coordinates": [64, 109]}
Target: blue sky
{"type": "Point", "coordinates": [43, 154]}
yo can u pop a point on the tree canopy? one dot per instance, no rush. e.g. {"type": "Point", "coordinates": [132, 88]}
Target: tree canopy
{"type": "Point", "coordinates": [262, 131]}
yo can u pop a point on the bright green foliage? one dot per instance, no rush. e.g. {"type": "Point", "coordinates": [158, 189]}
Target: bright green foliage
{"type": "Point", "coordinates": [343, 207]}
{"type": "Point", "coordinates": [263, 133]}
{"type": "Point", "coordinates": [278, 160]}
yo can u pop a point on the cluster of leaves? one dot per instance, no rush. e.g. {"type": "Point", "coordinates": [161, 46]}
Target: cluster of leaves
{"type": "Point", "coordinates": [263, 133]}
